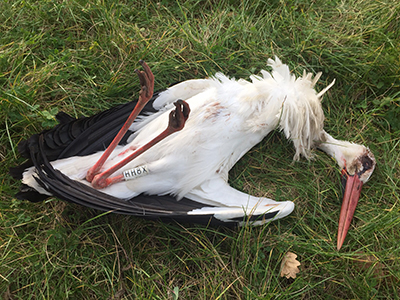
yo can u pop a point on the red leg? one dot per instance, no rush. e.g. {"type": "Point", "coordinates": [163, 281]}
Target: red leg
{"type": "Point", "coordinates": [177, 119]}
{"type": "Point", "coordinates": [146, 78]}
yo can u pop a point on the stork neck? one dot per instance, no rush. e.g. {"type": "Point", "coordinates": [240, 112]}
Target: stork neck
{"type": "Point", "coordinates": [342, 151]}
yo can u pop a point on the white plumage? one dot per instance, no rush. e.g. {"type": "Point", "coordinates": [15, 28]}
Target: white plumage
{"type": "Point", "coordinates": [228, 117]}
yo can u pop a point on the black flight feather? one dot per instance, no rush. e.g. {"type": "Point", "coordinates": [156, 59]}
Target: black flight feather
{"type": "Point", "coordinates": [84, 136]}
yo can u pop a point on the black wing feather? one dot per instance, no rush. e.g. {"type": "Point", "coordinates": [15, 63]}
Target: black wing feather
{"type": "Point", "coordinates": [84, 136]}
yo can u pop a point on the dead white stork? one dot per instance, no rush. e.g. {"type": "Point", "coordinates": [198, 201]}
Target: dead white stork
{"type": "Point", "coordinates": [181, 172]}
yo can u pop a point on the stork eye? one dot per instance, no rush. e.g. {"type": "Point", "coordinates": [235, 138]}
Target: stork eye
{"type": "Point", "coordinates": [367, 163]}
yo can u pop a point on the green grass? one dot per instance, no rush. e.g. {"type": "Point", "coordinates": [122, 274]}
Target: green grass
{"type": "Point", "coordinates": [79, 57]}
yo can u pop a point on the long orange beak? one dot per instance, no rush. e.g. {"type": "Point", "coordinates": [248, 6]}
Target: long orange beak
{"type": "Point", "coordinates": [350, 199]}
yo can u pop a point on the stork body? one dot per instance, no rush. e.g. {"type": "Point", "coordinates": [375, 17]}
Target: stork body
{"type": "Point", "coordinates": [227, 118]}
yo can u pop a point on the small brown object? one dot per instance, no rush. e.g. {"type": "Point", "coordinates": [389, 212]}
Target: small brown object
{"type": "Point", "coordinates": [289, 265]}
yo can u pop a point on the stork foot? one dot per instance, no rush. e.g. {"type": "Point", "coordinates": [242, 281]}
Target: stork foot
{"type": "Point", "coordinates": [146, 79]}
{"type": "Point", "coordinates": [178, 117]}
{"type": "Point", "coordinates": [177, 120]}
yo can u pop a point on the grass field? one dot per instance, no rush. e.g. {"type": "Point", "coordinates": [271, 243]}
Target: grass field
{"type": "Point", "coordinates": [79, 56]}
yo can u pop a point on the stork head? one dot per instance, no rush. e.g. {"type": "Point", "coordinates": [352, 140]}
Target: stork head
{"type": "Point", "coordinates": [357, 163]}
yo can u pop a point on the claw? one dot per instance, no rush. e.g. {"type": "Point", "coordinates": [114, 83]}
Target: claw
{"type": "Point", "coordinates": [146, 79]}
{"type": "Point", "coordinates": [178, 117]}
